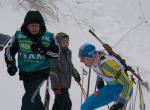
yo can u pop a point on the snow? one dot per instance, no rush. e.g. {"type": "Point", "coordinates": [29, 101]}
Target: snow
{"type": "Point", "coordinates": [112, 20]}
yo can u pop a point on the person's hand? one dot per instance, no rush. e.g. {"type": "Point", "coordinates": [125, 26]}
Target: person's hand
{"type": "Point", "coordinates": [11, 69]}
{"type": "Point", "coordinates": [96, 93]}
{"type": "Point", "coordinates": [34, 46]}
{"type": "Point", "coordinates": [37, 46]}
{"type": "Point", "coordinates": [100, 84]}
{"type": "Point", "coordinates": [117, 106]}
{"type": "Point", "coordinates": [57, 91]}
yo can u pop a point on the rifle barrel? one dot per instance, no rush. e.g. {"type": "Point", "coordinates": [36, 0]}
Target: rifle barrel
{"type": "Point", "coordinates": [96, 36]}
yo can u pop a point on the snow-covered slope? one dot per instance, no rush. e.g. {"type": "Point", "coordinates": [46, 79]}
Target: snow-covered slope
{"type": "Point", "coordinates": [124, 24]}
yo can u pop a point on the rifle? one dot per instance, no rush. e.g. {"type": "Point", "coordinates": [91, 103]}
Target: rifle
{"type": "Point", "coordinates": [111, 52]}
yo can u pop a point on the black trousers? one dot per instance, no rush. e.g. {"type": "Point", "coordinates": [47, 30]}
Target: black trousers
{"type": "Point", "coordinates": [63, 101]}
{"type": "Point", "coordinates": [30, 87]}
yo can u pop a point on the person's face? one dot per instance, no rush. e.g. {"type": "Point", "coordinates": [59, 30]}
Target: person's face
{"type": "Point", "coordinates": [87, 61]}
{"type": "Point", "coordinates": [64, 43]}
{"type": "Point", "coordinates": [33, 28]}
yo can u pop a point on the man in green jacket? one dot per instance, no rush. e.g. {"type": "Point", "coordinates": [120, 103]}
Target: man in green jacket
{"type": "Point", "coordinates": [35, 47]}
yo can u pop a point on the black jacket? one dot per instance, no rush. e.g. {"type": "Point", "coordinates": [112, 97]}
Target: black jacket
{"type": "Point", "coordinates": [13, 47]}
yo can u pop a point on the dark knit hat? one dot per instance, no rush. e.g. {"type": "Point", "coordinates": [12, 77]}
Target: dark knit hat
{"type": "Point", "coordinates": [60, 36]}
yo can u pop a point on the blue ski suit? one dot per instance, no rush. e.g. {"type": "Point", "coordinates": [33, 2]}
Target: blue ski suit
{"type": "Point", "coordinates": [118, 86]}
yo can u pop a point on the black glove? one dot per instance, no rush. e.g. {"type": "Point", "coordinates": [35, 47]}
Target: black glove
{"type": "Point", "coordinates": [77, 78]}
{"type": "Point", "coordinates": [100, 84]}
{"type": "Point", "coordinates": [34, 46]}
{"type": "Point", "coordinates": [116, 106]}
{"type": "Point", "coordinates": [11, 69]}
{"type": "Point", "coordinates": [37, 46]}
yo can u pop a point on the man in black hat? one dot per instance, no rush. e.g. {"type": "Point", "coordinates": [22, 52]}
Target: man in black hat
{"type": "Point", "coordinates": [35, 47]}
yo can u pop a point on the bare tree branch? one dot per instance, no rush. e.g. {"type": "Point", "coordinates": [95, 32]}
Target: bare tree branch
{"type": "Point", "coordinates": [46, 7]}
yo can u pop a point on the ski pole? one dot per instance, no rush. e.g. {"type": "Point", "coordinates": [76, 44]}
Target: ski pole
{"type": "Point", "coordinates": [36, 91]}
{"type": "Point", "coordinates": [88, 86]}
{"type": "Point", "coordinates": [47, 96]}
{"type": "Point", "coordinates": [83, 91]}
{"type": "Point", "coordinates": [142, 103]}
{"type": "Point", "coordinates": [135, 95]}
{"type": "Point", "coordinates": [82, 85]}
{"type": "Point", "coordinates": [84, 72]}
{"type": "Point", "coordinates": [82, 82]}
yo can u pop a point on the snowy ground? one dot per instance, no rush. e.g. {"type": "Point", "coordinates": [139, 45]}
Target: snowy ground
{"type": "Point", "coordinates": [122, 24]}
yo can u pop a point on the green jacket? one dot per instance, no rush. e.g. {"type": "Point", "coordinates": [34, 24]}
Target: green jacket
{"type": "Point", "coordinates": [28, 60]}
